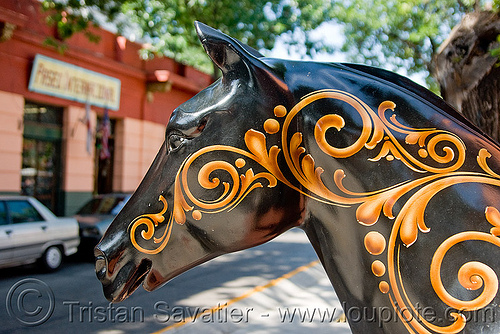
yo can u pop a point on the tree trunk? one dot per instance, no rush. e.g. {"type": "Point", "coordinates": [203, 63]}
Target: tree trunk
{"type": "Point", "coordinates": [467, 72]}
{"type": "Point", "coordinates": [482, 104]}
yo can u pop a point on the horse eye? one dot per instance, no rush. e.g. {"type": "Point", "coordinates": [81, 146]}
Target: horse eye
{"type": "Point", "coordinates": [174, 141]}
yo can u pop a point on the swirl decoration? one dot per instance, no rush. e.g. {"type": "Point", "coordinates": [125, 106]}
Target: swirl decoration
{"type": "Point", "coordinates": [232, 193]}
{"type": "Point", "coordinates": [151, 221]}
{"type": "Point", "coordinates": [439, 154]}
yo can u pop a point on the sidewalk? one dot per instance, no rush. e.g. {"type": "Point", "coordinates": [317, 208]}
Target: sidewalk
{"type": "Point", "coordinates": [299, 301]}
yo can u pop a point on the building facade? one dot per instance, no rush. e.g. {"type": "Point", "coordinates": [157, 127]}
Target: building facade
{"type": "Point", "coordinates": [84, 121]}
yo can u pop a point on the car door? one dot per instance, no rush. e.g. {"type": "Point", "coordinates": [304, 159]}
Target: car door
{"type": "Point", "coordinates": [29, 230]}
{"type": "Point", "coordinates": [6, 240]}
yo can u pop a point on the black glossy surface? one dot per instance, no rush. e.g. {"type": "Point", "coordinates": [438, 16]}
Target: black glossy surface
{"type": "Point", "coordinates": [222, 117]}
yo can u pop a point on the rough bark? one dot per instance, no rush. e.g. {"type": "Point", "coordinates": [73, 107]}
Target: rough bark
{"type": "Point", "coordinates": [468, 74]}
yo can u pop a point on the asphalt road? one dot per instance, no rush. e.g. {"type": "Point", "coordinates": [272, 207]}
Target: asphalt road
{"type": "Point", "coordinates": [220, 295]}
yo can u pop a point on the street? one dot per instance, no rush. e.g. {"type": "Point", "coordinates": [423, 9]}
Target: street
{"type": "Point", "coordinates": [267, 288]}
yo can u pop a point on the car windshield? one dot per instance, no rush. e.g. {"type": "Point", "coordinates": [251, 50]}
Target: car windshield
{"type": "Point", "coordinates": [107, 205]}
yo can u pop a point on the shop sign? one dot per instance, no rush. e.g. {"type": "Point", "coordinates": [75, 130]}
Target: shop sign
{"type": "Point", "coordinates": [56, 78]}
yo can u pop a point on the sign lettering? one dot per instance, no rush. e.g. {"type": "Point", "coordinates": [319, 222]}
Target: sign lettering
{"type": "Point", "coordinates": [56, 78]}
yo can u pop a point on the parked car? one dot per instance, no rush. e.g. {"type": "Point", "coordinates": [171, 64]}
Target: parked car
{"type": "Point", "coordinates": [30, 232]}
{"type": "Point", "coordinates": [95, 216]}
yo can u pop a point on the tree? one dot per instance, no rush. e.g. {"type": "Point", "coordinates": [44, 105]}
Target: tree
{"type": "Point", "coordinates": [466, 67]}
{"type": "Point", "coordinates": [454, 43]}
{"type": "Point", "coordinates": [397, 34]}
{"type": "Point", "coordinates": [167, 25]}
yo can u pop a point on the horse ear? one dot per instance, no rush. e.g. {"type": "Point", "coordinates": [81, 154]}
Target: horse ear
{"type": "Point", "coordinates": [226, 52]}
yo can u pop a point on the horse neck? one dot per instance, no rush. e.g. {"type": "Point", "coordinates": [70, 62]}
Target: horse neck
{"type": "Point", "coordinates": [338, 244]}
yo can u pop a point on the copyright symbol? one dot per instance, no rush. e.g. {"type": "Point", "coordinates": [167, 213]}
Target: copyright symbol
{"type": "Point", "coordinates": [30, 301]}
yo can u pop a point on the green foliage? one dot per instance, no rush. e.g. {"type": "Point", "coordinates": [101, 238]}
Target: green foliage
{"type": "Point", "coordinates": [398, 34]}
{"type": "Point", "coordinates": [391, 34]}
{"type": "Point", "coordinates": [167, 25]}
{"type": "Point", "coordinates": [402, 34]}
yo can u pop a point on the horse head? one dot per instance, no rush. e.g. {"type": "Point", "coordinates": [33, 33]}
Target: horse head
{"type": "Point", "coordinates": [193, 204]}
{"type": "Point", "coordinates": [396, 191]}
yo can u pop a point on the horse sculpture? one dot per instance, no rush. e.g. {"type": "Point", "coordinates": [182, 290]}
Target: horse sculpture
{"type": "Point", "coordinates": [397, 192]}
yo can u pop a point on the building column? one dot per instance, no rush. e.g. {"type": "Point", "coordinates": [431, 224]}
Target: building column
{"type": "Point", "coordinates": [11, 137]}
{"type": "Point", "coordinates": [153, 137]}
{"type": "Point", "coordinates": [128, 148]}
{"type": "Point", "coordinates": [78, 164]}
{"type": "Point", "coordinates": [136, 145]}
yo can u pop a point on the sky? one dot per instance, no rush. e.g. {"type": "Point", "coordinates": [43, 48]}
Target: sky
{"type": "Point", "coordinates": [332, 34]}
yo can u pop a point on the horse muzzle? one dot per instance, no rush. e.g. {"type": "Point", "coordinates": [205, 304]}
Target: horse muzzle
{"type": "Point", "coordinates": [120, 274]}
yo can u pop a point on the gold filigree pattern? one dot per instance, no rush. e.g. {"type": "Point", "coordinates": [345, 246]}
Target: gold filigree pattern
{"type": "Point", "coordinates": [437, 153]}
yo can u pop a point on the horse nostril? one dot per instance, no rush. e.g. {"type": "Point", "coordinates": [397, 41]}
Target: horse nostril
{"type": "Point", "coordinates": [100, 268]}
{"type": "Point", "coordinates": [100, 264]}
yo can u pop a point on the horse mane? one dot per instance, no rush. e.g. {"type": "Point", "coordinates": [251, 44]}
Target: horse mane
{"type": "Point", "coordinates": [405, 84]}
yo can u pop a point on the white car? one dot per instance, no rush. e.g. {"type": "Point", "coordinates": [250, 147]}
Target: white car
{"type": "Point", "coordinates": [30, 232]}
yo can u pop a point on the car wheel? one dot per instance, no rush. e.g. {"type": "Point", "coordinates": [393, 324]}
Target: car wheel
{"type": "Point", "coordinates": [52, 258]}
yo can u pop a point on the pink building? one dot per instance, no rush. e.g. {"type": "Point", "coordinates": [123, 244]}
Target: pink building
{"type": "Point", "coordinates": [52, 107]}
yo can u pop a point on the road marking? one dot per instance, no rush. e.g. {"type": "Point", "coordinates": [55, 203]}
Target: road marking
{"type": "Point", "coordinates": [241, 297]}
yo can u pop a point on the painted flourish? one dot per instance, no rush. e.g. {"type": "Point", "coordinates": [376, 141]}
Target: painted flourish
{"type": "Point", "coordinates": [379, 135]}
